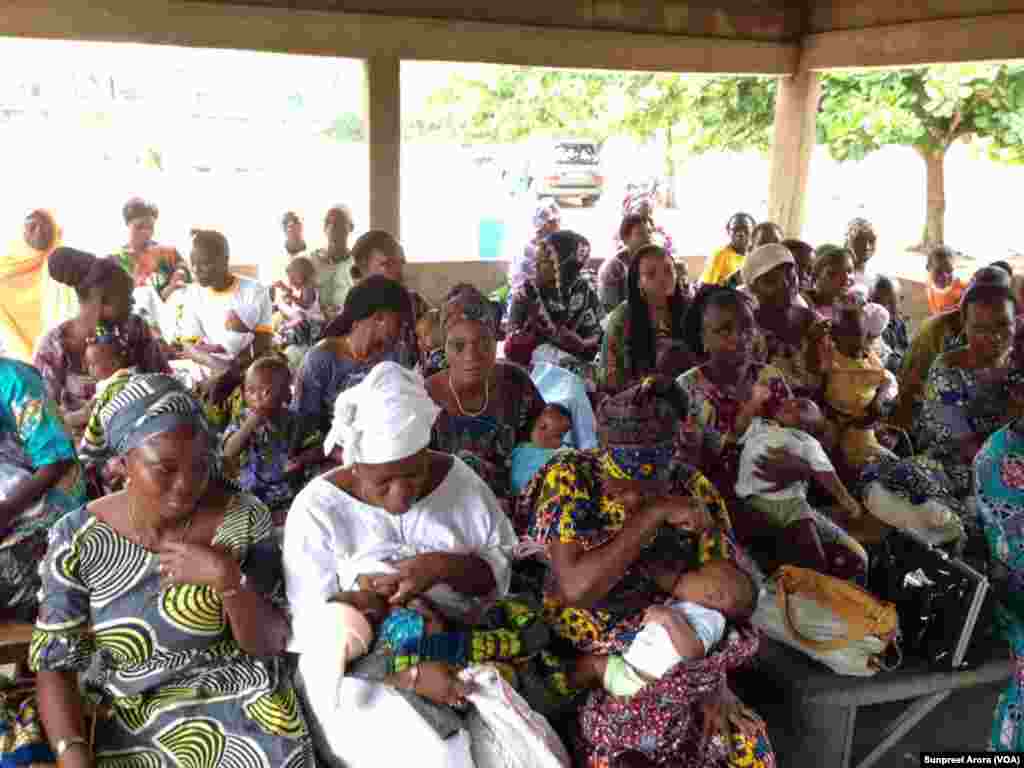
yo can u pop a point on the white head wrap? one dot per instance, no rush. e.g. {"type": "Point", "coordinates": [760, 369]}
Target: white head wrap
{"type": "Point", "coordinates": [387, 417]}
{"type": "Point", "coordinates": [764, 259]}
{"type": "Point", "coordinates": [876, 318]}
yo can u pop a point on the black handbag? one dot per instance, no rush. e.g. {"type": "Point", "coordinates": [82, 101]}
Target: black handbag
{"type": "Point", "coordinates": [945, 605]}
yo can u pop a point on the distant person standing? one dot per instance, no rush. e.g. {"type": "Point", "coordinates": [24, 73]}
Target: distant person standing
{"type": "Point", "coordinates": [333, 264]}
{"type": "Point", "coordinates": [294, 246]}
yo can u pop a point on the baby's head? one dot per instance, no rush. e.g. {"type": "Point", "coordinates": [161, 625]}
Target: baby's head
{"type": "Point", "coordinates": [105, 354]}
{"type": "Point", "coordinates": [850, 328]}
{"type": "Point", "coordinates": [428, 331]}
{"type": "Point", "coordinates": [300, 272]}
{"type": "Point", "coordinates": [551, 426]}
{"type": "Point", "coordinates": [800, 413]}
{"type": "Point", "coordinates": [720, 585]}
{"type": "Point", "coordinates": [876, 320]}
{"type": "Point", "coordinates": [267, 387]}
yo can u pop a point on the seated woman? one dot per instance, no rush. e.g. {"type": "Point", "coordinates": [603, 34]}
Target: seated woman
{"type": "Point", "coordinates": [966, 399]}
{"type": "Point", "coordinates": [726, 262]}
{"type": "Point", "coordinates": [487, 406]}
{"type": "Point", "coordinates": [104, 296]}
{"type": "Point", "coordinates": [833, 277]}
{"type": "Point", "coordinates": [646, 326]}
{"type": "Point", "coordinates": [40, 482]}
{"type": "Point", "coordinates": [789, 335]}
{"type": "Point", "coordinates": [619, 526]}
{"type": "Point", "coordinates": [938, 334]}
{"type": "Point", "coordinates": [31, 302]}
{"type": "Point", "coordinates": [634, 232]}
{"type": "Point", "coordinates": [159, 272]}
{"type": "Point", "coordinates": [428, 516]}
{"type": "Point", "coordinates": [556, 317]}
{"type": "Point", "coordinates": [999, 489]}
{"type": "Point", "coordinates": [182, 628]}
{"type": "Point", "coordinates": [364, 334]}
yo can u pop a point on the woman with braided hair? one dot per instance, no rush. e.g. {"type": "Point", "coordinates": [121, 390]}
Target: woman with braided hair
{"type": "Point", "coordinates": [726, 262]}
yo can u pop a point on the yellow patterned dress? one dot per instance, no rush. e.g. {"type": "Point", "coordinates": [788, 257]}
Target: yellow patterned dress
{"type": "Point", "coordinates": [177, 689]}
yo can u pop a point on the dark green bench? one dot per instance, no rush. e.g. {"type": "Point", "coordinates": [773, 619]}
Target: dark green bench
{"type": "Point", "coordinates": [811, 711]}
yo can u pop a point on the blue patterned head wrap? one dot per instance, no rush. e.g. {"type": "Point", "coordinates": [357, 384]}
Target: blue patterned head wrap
{"type": "Point", "coordinates": [149, 405]}
{"type": "Point", "coordinates": [639, 426]}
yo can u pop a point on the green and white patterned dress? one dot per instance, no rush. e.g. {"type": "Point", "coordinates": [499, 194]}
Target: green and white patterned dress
{"type": "Point", "coordinates": [178, 689]}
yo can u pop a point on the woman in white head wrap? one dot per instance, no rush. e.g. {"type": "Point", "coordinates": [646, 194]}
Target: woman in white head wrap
{"type": "Point", "coordinates": [426, 515]}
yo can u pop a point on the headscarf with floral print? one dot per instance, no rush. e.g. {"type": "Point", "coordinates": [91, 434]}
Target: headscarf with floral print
{"type": "Point", "coordinates": [467, 304]}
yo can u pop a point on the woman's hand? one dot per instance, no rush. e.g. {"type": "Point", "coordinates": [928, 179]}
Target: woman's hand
{"type": "Point", "coordinates": [415, 576]}
{"type": "Point", "coordinates": [437, 682]}
{"type": "Point", "coordinates": [182, 563]}
{"type": "Point", "coordinates": [781, 468]}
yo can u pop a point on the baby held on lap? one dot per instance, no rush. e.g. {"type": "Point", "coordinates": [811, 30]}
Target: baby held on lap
{"type": "Point", "coordinates": [685, 628]}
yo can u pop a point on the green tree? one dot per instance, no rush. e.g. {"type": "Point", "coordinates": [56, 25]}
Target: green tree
{"type": "Point", "coordinates": [697, 113]}
{"type": "Point", "coordinates": [926, 108]}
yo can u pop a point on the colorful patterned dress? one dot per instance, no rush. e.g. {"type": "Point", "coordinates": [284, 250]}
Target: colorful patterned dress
{"type": "Point", "coordinates": [177, 688]}
{"type": "Point", "coordinates": [31, 436]}
{"type": "Point", "coordinates": [663, 721]}
{"type": "Point", "coordinates": [955, 402]}
{"type": "Point", "coordinates": [486, 442]}
{"type": "Point", "coordinates": [999, 480]}
{"type": "Point", "coordinates": [260, 468]}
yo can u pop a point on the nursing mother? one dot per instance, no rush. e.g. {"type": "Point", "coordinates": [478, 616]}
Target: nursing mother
{"type": "Point", "coordinates": [428, 519]}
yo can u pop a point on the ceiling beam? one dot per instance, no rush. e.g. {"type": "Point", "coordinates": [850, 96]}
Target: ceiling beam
{"type": "Point", "coordinates": [364, 35]}
{"type": "Point", "coordinates": [946, 41]}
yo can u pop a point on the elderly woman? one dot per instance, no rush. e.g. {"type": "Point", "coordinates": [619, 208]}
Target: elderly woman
{"type": "Point", "coordinates": [789, 335]}
{"type": "Point", "coordinates": [966, 399]}
{"type": "Point", "coordinates": [397, 522]}
{"type": "Point", "coordinates": [617, 525]}
{"type": "Point", "coordinates": [364, 334]}
{"type": "Point", "coordinates": [31, 302]}
{"type": "Point", "coordinates": [938, 334]}
{"type": "Point", "coordinates": [487, 406]}
{"type": "Point", "coordinates": [556, 317]}
{"type": "Point", "coordinates": [104, 296]}
{"type": "Point", "coordinates": [648, 327]}
{"type": "Point", "coordinates": [169, 595]}
{"type": "Point", "coordinates": [40, 482]}
{"type": "Point", "coordinates": [999, 489]}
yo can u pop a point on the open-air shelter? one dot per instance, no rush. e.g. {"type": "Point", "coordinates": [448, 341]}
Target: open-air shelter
{"type": "Point", "coordinates": [794, 41]}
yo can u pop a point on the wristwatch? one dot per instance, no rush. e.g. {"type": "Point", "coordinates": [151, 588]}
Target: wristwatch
{"type": "Point", "coordinates": [63, 745]}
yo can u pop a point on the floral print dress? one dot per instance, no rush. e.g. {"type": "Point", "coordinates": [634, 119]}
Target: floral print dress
{"type": "Point", "coordinates": [999, 480]}
{"type": "Point", "coordinates": [662, 721]}
{"type": "Point", "coordinates": [175, 685]}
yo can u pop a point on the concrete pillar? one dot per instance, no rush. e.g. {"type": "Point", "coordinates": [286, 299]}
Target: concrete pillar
{"type": "Point", "coordinates": [796, 111]}
{"type": "Point", "coordinates": [384, 119]}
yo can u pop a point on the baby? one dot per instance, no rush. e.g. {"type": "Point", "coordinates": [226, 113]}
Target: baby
{"type": "Point", "coordinates": [106, 360]}
{"type": "Point", "coordinates": [546, 439]}
{"type": "Point", "coordinates": [430, 341]}
{"type": "Point", "coordinates": [685, 628]}
{"type": "Point", "coordinates": [787, 510]}
{"type": "Point", "coordinates": [859, 391]}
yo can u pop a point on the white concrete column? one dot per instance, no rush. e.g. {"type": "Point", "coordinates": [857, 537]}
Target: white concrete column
{"type": "Point", "coordinates": [796, 112]}
{"type": "Point", "coordinates": [384, 119]}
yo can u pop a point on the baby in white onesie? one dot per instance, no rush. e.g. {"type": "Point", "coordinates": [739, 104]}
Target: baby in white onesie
{"type": "Point", "coordinates": [684, 629]}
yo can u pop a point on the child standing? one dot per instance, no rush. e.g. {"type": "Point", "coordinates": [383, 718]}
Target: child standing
{"type": "Point", "coordinates": [944, 290]}
{"type": "Point", "coordinates": [798, 526]}
{"type": "Point", "coordinates": [546, 439]}
{"type": "Point", "coordinates": [858, 389]}
{"type": "Point", "coordinates": [263, 447]}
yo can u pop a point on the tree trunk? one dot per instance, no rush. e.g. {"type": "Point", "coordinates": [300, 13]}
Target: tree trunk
{"type": "Point", "coordinates": [935, 210]}
{"type": "Point", "coordinates": [670, 170]}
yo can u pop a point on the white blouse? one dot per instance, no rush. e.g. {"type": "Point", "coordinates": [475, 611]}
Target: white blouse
{"type": "Point", "coordinates": [332, 538]}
